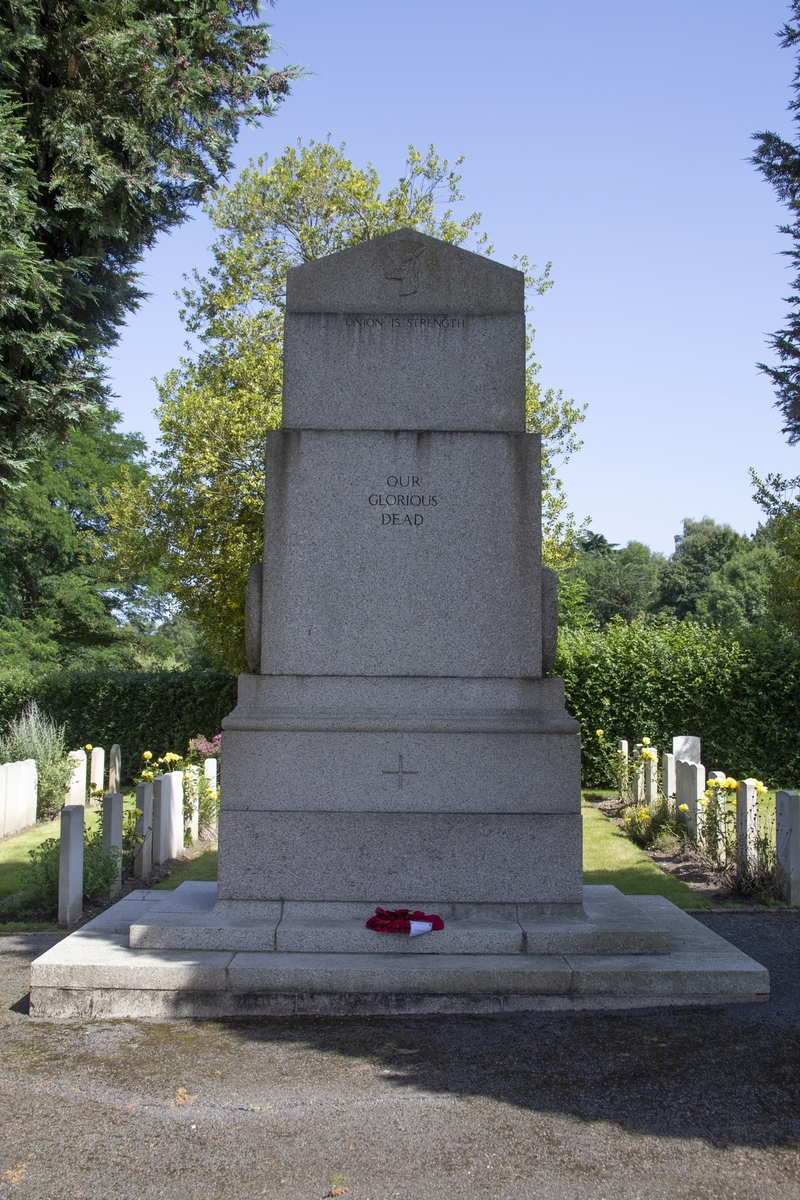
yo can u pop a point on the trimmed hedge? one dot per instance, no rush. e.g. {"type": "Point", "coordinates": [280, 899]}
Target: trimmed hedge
{"type": "Point", "coordinates": [660, 677]}
{"type": "Point", "coordinates": [141, 710]}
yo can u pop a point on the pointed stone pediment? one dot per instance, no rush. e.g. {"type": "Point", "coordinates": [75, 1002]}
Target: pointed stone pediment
{"type": "Point", "coordinates": [405, 332]}
{"type": "Point", "coordinates": [405, 272]}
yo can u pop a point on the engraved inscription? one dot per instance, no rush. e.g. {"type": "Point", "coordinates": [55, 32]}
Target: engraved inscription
{"type": "Point", "coordinates": [412, 322]}
{"type": "Point", "coordinates": [399, 502]}
{"type": "Point", "coordinates": [400, 772]}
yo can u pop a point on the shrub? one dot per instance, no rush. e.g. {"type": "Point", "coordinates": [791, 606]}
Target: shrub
{"type": "Point", "coordinates": [39, 895]}
{"type": "Point", "coordinates": [136, 709]}
{"type": "Point", "coordinates": [661, 677]}
{"type": "Point", "coordinates": [645, 824]}
{"type": "Point", "coordinates": [34, 734]}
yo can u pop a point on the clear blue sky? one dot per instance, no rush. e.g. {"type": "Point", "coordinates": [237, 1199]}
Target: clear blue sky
{"type": "Point", "coordinates": [610, 138]}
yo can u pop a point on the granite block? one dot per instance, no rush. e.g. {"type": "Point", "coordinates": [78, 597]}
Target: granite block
{"type": "Point", "coordinates": [425, 704]}
{"type": "Point", "coordinates": [88, 961]}
{"type": "Point", "coordinates": [363, 857]}
{"type": "Point", "coordinates": [341, 929]}
{"type": "Point", "coordinates": [402, 554]}
{"type": "Point", "coordinates": [682, 974]}
{"type": "Point", "coordinates": [441, 772]}
{"type": "Point", "coordinates": [426, 370]}
{"type": "Point", "coordinates": [451, 974]}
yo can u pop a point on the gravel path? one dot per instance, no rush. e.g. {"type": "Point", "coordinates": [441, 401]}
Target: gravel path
{"type": "Point", "coordinates": [686, 1105]}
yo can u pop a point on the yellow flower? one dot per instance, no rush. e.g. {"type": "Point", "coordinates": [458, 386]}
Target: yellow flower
{"type": "Point", "coordinates": [169, 757]}
{"type": "Point", "coordinates": [88, 746]}
{"type": "Point", "coordinates": [683, 808]}
{"type": "Point", "coordinates": [599, 732]}
{"type": "Point", "coordinates": [148, 754]}
{"type": "Point", "coordinates": [731, 784]}
{"type": "Point", "coordinates": [704, 802]}
{"type": "Point", "coordinates": [760, 787]}
{"type": "Point", "coordinates": [645, 741]}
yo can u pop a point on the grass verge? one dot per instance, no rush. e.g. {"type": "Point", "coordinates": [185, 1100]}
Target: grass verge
{"type": "Point", "coordinates": [610, 857]}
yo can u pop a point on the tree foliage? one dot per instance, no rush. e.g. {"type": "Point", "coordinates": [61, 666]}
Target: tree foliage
{"type": "Point", "coordinates": [115, 117]}
{"type": "Point", "coordinates": [618, 582]}
{"type": "Point", "coordinates": [58, 604]}
{"type": "Point", "coordinates": [780, 500]}
{"type": "Point", "coordinates": [199, 517]}
{"type": "Point", "coordinates": [778, 160]}
{"type": "Point", "coordinates": [715, 576]}
{"type": "Point", "coordinates": [659, 677]}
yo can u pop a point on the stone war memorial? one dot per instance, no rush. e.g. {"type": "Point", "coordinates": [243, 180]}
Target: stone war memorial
{"type": "Point", "coordinates": [398, 743]}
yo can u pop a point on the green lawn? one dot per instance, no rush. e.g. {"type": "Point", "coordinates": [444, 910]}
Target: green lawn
{"type": "Point", "coordinates": [204, 867]}
{"type": "Point", "coordinates": [14, 850]}
{"type": "Point", "coordinates": [610, 857]}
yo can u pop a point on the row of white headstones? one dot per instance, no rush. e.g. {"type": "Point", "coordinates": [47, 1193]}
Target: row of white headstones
{"type": "Point", "coordinates": [160, 824]}
{"type": "Point", "coordinates": [684, 782]}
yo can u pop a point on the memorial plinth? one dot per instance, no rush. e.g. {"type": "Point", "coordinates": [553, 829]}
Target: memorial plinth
{"type": "Point", "coordinates": [398, 742]}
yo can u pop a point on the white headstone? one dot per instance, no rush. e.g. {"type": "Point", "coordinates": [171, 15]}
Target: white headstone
{"type": "Point", "coordinates": [97, 770]}
{"type": "Point", "coordinates": [114, 768]}
{"type": "Point", "coordinates": [668, 776]}
{"type": "Point", "coordinates": [18, 796]}
{"type": "Point", "coordinates": [690, 786]}
{"type": "Point", "coordinates": [787, 814]}
{"type": "Point", "coordinates": [722, 796]}
{"type": "Point", "coordinates": [191, 791]}
{"type": "Point", "coordinates": [651, 778]}
{"type": "Point", "coordinates": [167, 816]}
{"type": "Point", "coordinates": [210, 772]}
{"type": "Point", "coordinates": [112, 832]}
{"type": "Point", "coordinates": [70, 866]}
{"type": "Point", "coordinates": [687, 748]}
{"type": "Point", "coordinates": [747, 824]}
{"type": "Point", "coordinates": [143, 862]}
{"type": "Point", "coordinates": [76, 788]}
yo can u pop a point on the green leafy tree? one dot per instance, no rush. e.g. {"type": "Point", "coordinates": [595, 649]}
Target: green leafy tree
{"type": "Point", "coordinates": [618, 582]}
{"type": "Point", "coordinates": [702, 549]}
{"type": "Point", "coordinates": [58, 605]}
{"type": "Point", "coordinates": [780, 500]}
{"type": "Point", "coordinates": [778, 160]}
{"type": "Point", "coordinates": [115, 117]}
{"type": "Point", "coordinates": [199, 517]}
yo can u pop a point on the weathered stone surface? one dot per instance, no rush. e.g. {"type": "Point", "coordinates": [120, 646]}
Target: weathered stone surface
{"type": "Point", "coordinates": [405, 332]}
{"type": "Point", "coordinates": [319, 771]}
{"type": "Point", "coordinates": [404, 270]}
{"type": "Point", "coordinates": [402, 554]}
{"type": "Point", "coordinates": [143, 862]}
{"type": "Point", "coordinates": [338, 856]}
{"type": "Point", "coordinates": [252, 616]}
{"type": "Point", "coordinates": [112, 833]}
{"type": "Point", "coordinates": [787, 814]}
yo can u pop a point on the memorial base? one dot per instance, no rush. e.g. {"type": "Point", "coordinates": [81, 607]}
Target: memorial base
{"type": "Point", "coordinates": [625, 952]}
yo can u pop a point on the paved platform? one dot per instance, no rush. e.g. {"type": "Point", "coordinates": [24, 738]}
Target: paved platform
{"type": "Point", "coordinates": [192, 918]}
{"type": "Point", "coordinates": [95, 974]}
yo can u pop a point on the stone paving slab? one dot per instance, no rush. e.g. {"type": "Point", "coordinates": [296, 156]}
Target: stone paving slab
{"type": "Point", "coordinates": [193, 919]}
